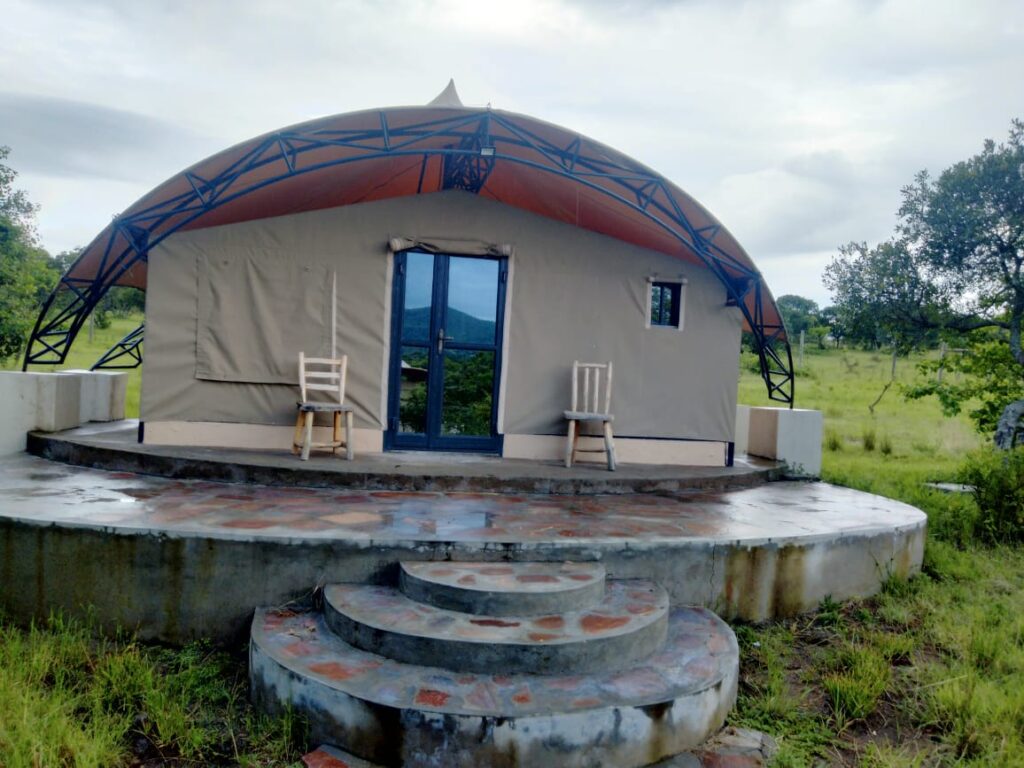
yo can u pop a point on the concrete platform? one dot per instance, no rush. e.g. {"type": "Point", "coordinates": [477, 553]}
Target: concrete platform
{"type": "Point", "coordinates": [177, 559]}
{"type": "Point", "coordinates": [115, 447]}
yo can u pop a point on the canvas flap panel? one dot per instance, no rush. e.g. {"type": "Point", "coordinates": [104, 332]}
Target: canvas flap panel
{"type": "Point", "coordinates": [255, 311]}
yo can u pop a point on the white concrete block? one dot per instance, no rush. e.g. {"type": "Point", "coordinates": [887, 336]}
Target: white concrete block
{"type": "Point", "coordinates": [742, 434]}
{"type": "Point", "coordinates": [18, 395]}
{"type": "Point", "coordinates": [118, 393]}
{"type": "Point", "coordinates": [789, 435]}
{"type": "Point", "coordinates": [89, 398]}
{"type": "Point", "coordinates": [58, 404]}
{"type": "Point", "coordinates": [102, 394]}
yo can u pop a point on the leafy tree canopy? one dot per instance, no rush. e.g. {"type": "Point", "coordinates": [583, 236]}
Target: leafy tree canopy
{"type": "Point", "coordinates": [799, 314]}
{"type": "Point", "coordinates": [953, 265]}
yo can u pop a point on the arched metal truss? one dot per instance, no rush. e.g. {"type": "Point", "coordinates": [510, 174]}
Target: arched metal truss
{"type": "Point", "coordinates": [470, 151]}
{"type": "Point", "coordinates": [126, 354]}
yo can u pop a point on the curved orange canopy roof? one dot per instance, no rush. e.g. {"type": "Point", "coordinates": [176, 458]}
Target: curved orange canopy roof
{"type": "Point", "coordinates": [386, 153]}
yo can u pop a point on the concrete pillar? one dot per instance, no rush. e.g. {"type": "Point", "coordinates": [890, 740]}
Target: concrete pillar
{"type": "Point", "coordinates": [103, 394]}
{"type": "Point", "coordinates": [789, 435]}
{"type": "Point", "coordinates": [58, 406]}
{"type": "Point", "coordinates": [18, 398]}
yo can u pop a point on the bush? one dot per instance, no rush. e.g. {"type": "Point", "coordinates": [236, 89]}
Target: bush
{"type": "Point", "coordinates": [833, 441]}
{"type": "Point", "coordinates": [997, 478]}
{"type": "Point", "coordinates": [868, 436]}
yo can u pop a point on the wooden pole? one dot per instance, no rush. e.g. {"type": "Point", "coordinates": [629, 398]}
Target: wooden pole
{"type": "Point", "coordinates": [801, 349]}
{"type": "Point", "coordinates": [942, 361]}
{"type": "Point", "coordinates": [893, 374]}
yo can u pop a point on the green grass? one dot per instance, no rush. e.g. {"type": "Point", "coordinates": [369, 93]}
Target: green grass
{"type": "Point", "coordinates": [84, 353]}
{"type": "Point", "coordinates": [929, 672]}
{"type": "Point", "coordinates": [69, 699]}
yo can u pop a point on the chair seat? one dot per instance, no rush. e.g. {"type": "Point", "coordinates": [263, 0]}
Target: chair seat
{"type": "Point", "coordinates": [584, 416]}
{"type": "Point", "coordinates": [323, 407]}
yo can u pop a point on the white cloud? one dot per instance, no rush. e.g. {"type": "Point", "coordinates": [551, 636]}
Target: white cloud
{"type": "Point", "coordinates": [795, 122]}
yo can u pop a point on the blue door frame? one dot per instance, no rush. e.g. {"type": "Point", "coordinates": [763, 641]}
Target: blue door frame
{"type": "Point", "coordinates": [437, 349]}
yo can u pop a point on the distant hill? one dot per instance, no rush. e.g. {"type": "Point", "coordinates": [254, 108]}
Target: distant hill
{"type": "Point", "coordinates": [461, 325]}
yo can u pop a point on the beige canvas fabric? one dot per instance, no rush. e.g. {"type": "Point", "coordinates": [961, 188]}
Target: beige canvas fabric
{"type": "Point", "coordinates": [256, 309]}
{"type": "Point", "coordinates": [573, 295]}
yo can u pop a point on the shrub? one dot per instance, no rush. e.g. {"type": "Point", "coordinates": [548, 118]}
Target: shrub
{"type": "Point", "coordinates": [885, 446]}
{"type": "Point", "coordinates": [997, 479]}
{"type": "Point", "coordinates": [832, 440]}
{"type": "Point", "coordinates": [868, 436]}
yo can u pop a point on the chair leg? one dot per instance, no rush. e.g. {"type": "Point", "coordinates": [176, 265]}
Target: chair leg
{"type": "Point", "coordinates": [297, 439]}
{"type": "Point", "coordinates": [570, 443]}
{"type": "Point", "coordinates": [349, 454]}
{"type": "Point", "coordinates": [307, 439]}
{"type": "Point", "coordinates": [337, 433]}
{"type": "Point", "coordinates": [609, 445]}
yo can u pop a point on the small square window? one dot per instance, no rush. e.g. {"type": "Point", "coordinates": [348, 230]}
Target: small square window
{"type": "Point", "coordinates": [665, 304]}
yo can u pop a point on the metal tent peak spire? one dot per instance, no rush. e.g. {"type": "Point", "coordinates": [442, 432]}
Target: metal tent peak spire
{"type": "Point", "coordinates": [449, 97]}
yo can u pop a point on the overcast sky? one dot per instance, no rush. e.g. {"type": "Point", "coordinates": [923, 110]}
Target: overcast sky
{"type": "Point", "coordinates": [796, 123]}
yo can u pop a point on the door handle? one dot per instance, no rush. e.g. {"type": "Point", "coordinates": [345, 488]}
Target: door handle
{"type": "Point", "coordinates": [441, 339]}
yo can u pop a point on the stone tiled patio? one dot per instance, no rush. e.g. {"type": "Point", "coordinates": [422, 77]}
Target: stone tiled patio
{"type": "Point", "coordinates": [37, 490]}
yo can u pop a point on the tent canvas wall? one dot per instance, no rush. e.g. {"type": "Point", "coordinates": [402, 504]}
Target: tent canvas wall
{"type": "Point", "coordinates": [229, 307]}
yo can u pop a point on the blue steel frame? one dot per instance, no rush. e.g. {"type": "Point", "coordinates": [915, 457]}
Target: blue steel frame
{"type": "Point", "coordinates": [129, 347]}
{"type": "Point", "coordinates": [467, 162]}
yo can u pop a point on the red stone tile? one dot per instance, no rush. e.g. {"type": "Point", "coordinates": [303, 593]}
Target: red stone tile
{"type": "Point", "coordinates": [320, 759]}
{"type": "Point", "coordinates": [549, 622]}
{"type": "Point", "coordinates": [493, 623]}
{"type": "Point", "coordinates": [336, 670]}
{"type": "Point", "coordinates": [594, 622]}
{"type": "Point", "coordinates": [431, 698]}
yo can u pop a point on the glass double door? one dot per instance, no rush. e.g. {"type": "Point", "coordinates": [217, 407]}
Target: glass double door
{"type": "Point", "coordinates": [446, 332]}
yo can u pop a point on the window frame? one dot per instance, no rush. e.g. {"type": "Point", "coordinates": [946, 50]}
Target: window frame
{"type": "Point", "coordinates": [677, 287]}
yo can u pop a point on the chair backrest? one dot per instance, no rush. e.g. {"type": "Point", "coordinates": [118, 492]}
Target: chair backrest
{"type": "Point", "coordinates": [591, 387]}
{"type": "Point", "coordinates": [322, 374]}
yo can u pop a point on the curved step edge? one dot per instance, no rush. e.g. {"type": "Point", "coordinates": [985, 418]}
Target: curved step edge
{"type": "Point", "coordinates": [504, 589]}
{"type": "Point", "coordinates": [383, 621]}
{"type": "Point", "coordinates": [408, 731]}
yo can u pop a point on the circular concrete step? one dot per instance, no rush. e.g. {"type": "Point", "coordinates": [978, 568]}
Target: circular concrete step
{"type": "Point", "coordinates": [403, 714]}
{"type": "Point", "coordinates": [628, 624]}
{"type": "Point", "coordinates": [504, 589]}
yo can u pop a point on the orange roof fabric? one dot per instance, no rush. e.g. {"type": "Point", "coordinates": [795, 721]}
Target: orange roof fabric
{"type": "Point", "coordinates": [375, 155]}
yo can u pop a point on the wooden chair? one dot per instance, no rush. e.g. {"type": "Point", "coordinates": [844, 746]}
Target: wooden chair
{"type": "Point", "coordinates": [322, 374]}
{"type": "Point", "coordinates": [591, 401]}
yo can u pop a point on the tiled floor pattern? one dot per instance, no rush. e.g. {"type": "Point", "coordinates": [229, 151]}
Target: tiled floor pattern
{"type": "Point", "coordinates": [700, 649]}
{"type": "Point", "coordinates": [36, 489]}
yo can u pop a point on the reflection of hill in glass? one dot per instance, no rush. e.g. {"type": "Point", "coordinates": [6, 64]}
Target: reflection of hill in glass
{"type": "Point", "coordinates": [461, 326]}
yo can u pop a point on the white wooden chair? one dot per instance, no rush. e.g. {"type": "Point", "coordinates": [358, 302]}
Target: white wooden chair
{"type": "Point", "coordinates": [322, 374]}
{"type": "Point", "coordinates": [591, 402]}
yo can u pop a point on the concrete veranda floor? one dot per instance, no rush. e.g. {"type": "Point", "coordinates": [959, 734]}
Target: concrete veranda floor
{"type": "Point", "coordinates": [43, 491]}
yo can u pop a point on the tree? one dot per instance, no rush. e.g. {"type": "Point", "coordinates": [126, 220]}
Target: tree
{"type": "Point", "coordinates": [798, 313]}
{"type": "Point", "coordinates": [954, 264]}
{"type": "Point", "coordinates": [14, 203]}
{"type": "Point", "coordinates": [26, 273]}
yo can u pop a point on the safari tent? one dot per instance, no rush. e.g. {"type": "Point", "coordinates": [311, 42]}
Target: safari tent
{"type": "Point", "coordinates": [462, 258]}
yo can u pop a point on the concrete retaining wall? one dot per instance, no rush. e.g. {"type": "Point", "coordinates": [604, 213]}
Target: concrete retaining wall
{"type": "Point", "coordinates": [175, 588]}
{"type": "Point", "coordinates": [53, 402]}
